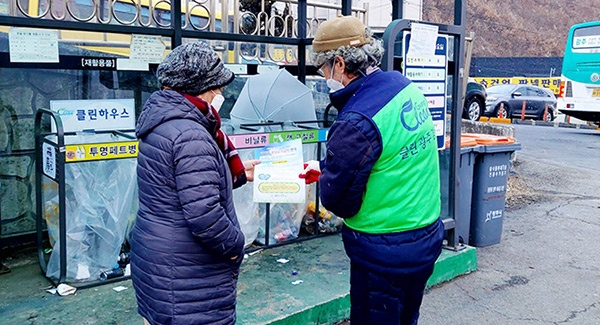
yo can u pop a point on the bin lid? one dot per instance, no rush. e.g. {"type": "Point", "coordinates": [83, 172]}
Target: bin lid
{"type": "Point", "coordinates": [488, 139]}
{"type": "Point", "coordinates": [467, 141]}
{"type": "Point", "coordinates": [498, 148]}
{"type": "Point", "coordinates": [464, 142]}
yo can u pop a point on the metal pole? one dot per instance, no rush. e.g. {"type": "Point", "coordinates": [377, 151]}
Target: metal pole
{"type": "Point", "coordinates": [236, 30]}
{"type": "Point", "coordinates": [3, 269]}
{"type": "Point", "coordinates": [346, 8]}
{"type": "Point", "coordinates": [396, 9]}
{"type": "Point", "coordinates": [302, 36]}
{"type": "Point", "coordinates": [469, 51]}
{"type": "Point", "coordinates": [460, 11]}
{"type": "Point", "coordinates": [389, 42]}
{"type": "Point", "coordinates": [225, 16]}
{"type": "Point", "coordinates": [267, 223]}
{"type": "Point", "coordinates": [176, 23]}
{"type": "Point", "coordinates": [212, 16]}
{"type": "Point", "coordinates": [38, 186]}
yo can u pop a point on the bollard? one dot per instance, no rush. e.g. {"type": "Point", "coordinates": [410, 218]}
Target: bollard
{"type": "Point", "coordinates": [523, 110]}
{"type": "Point", "coordinates": [501, 112]}
{"type": "Point", "coordinates": [545, 112]}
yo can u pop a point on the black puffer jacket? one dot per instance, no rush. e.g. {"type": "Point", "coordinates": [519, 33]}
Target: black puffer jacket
{"type": "Point", "coordinates": [186, 230]}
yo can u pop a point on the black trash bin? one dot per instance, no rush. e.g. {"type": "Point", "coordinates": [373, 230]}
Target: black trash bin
{"type": "Point", "coordinates": [490, 176]}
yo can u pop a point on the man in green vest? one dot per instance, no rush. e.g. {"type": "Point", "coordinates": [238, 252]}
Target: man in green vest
{"type": "Point", "coordinates": [381, 174]}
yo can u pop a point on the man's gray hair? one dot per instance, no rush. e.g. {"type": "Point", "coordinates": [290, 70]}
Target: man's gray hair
{"type": "Point", "coordinates": [357, 59]}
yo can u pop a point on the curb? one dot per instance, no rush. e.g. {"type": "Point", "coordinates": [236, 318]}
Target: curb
{"type": "Point", "coordinates": [555, 124]}
{"type": "Point", "coordinates": [451, 264]}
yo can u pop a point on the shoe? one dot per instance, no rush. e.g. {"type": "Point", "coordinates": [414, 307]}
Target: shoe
{"type": "Point", "coordinates": [4, 269]}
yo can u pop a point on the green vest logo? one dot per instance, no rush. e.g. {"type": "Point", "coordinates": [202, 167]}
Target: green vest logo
{"type": "Point", "coordinates": [414, 116]}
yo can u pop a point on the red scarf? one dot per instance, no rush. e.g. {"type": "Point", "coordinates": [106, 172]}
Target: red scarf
{"type": "Point", "coordinates": [236, 166]}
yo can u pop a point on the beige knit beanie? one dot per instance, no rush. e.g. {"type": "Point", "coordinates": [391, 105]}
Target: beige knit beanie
{"type": "Point", "coordinates": [340, 31]}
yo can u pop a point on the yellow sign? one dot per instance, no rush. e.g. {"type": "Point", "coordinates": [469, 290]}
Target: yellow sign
{"type": "Point", "coordinates": [101, 151]}
{"type": "Point", "coordinates": [550, 83]}
{"type": "Point", "coordinates": [488, 82]}
{"type": "Point", "coordinates": [279, 187]}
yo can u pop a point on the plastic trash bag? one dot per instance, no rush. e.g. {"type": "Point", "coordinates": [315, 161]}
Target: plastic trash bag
{"type": "Point", "coordinates": [245, 209]}
{"type": "Point", "coordinates": [284, 222]}
{"type": "Point", "coordinates": [100, 207]}
{"type": "Point", "coordinates": [285, 219]}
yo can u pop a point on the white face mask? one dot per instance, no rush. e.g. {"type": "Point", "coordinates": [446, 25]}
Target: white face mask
{"type": "Point", "coordinates": [333, 84]}
{"type": "Point", "coordinates": [217, 101]}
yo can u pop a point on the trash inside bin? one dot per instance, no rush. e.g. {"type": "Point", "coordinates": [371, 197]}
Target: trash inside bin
{"type": "Point", "coordinates": [490, 175]}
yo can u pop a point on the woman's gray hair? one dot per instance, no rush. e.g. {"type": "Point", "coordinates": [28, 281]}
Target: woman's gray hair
{"type": "Point", "coordinates": [357, 59]}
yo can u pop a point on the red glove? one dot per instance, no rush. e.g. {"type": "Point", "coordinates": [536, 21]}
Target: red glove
{"type": "Point", "coordinates": [310, 173]}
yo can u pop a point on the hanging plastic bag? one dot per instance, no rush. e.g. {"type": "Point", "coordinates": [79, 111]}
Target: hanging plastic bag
{"type": "Point", "coordinates": [99, 196]}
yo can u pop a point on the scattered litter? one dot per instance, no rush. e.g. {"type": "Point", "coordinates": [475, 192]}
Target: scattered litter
{"type": "Point", "coordinates": [63, 290]}
{"type": "Point", "coordinates": [255, 252]}
{"type": "Point", "coordinates": [83, 272]}
{"type": "Point", "coordinates": [294, 272]}
{"type": "Point", "coordinates": [297, 282]}
{"type": "Point", "coordinates": [119, 288]}
{"type": "Point", "coordinates": [282, 260]}
{"type": "Point", "coordinates": [127, 271]}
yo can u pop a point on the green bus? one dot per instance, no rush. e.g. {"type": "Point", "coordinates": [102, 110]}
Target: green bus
{"type": "Point", "coordinates": [579, 92]}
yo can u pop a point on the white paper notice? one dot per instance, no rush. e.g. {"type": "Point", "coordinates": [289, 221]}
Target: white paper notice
{"type": "Point", "coordinates": [49, 160]}
{"type": "Point", "coordinates": [132, 65]}
{"type": "Point", "coordinates": [33, 45]}
{"type": "Point", "coordinates": [276, 177]}
{"type": "Point", "coordinates": [422, 39]}
{"type": "Point", "coordinates": [147, 48]}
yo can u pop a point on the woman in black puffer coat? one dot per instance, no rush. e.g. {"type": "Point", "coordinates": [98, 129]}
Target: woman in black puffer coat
{"type": "Point", "coordinates": [187, 245]}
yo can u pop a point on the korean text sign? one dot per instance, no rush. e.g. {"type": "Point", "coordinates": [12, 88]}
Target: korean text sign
{"type": "Point", "coordinates": [97, 115]}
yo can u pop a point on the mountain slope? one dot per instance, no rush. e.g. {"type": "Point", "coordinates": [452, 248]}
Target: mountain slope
{"type": "Point", "coordinates": [516, 28]}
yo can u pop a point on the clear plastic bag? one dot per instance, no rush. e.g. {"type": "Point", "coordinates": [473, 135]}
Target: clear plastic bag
{"type": "Point", "coordinates": [50, 197]}
{"type": "Point", "coordinates": [245, 209]}
{"type": "Point", "coordinates": [328, 222]}
{"type": "Point", "coordinates": [285, 220]}
{"type": "Point", "coordinates": [101, 203]}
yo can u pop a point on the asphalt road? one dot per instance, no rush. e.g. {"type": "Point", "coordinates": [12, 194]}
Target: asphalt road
{"type": "Point", "coordinates": [563, 146]}
{"type": "Point", "coordinates": [546, 270]}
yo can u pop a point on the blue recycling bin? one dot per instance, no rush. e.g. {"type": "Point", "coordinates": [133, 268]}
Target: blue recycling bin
{"type": "Point", "coordinates": [490, 177]}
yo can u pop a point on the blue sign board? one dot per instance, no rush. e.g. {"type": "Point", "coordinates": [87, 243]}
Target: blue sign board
{"type": "Point", "coordinates": [428, 72]}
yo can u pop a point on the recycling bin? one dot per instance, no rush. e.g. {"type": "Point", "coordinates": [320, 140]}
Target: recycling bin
{"type": "Point", "coordinates": [464, 186]}
{"type": "Point", "coordinates": [490, 176]}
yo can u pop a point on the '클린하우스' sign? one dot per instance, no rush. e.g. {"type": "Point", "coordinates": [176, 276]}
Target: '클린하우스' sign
{"type": "Point", "coordinates": [94, 115]}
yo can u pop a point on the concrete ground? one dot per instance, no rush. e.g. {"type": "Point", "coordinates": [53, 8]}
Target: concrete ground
{"type": "Point", "coordinates": [300, 283]}
{"type": "Point", "coordinates": [544, 271]}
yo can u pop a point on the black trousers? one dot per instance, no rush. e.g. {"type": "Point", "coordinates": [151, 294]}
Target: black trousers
{"type": "Point", "coordinates": [382, 299]}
